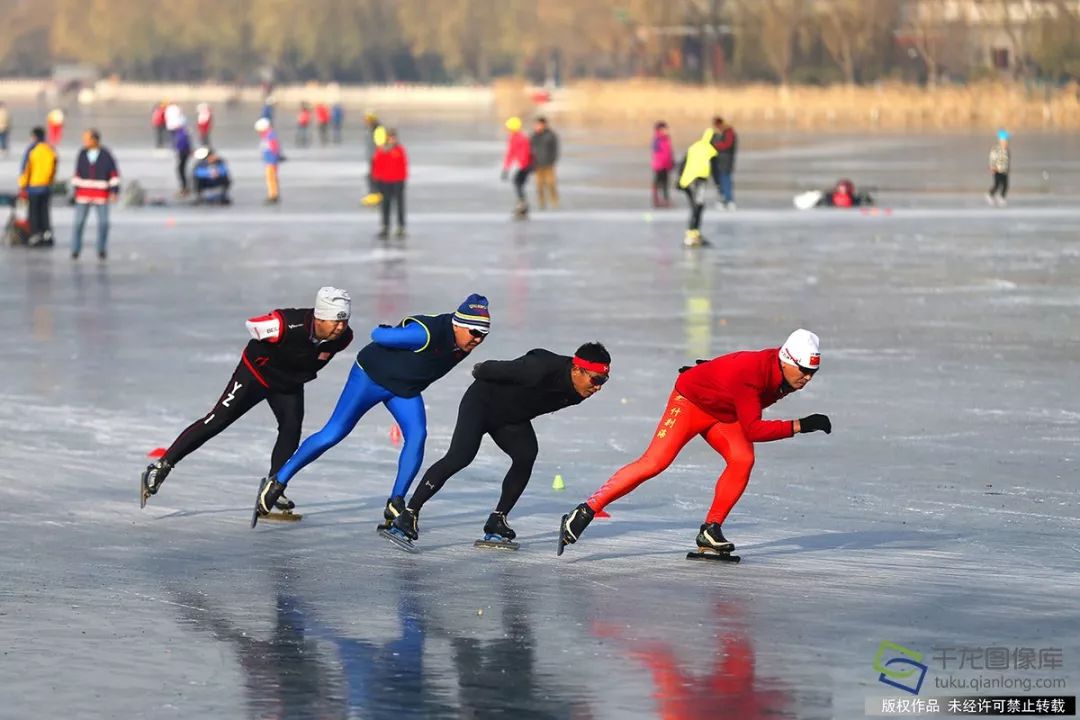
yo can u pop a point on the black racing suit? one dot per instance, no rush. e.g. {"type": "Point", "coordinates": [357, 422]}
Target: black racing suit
{"type": "Point", "coordinates": [507, 394]}
{"type": "Point", "coordinates": [281, 357]}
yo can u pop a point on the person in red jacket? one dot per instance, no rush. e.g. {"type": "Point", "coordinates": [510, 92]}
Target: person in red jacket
{"type": "Point", "coordinates": [519, 153]}
{"type": "Point", "coordinates": [322, 119]}
{"type": "Point", "coordinates": [303, 120]}
{"type": "Point", "coordinates": [721, 400]}
{"type": "Point", "coordinates": [390, 169]}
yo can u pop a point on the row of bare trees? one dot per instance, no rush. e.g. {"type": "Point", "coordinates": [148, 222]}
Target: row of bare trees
{"type": "Point", "coordinates": [474, 40]}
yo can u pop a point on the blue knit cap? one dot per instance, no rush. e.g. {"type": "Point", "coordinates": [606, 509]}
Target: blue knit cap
{"type": "Point", "coordinates": [473, 314]}
{"type": "Point", "coordinates": [1003, 134]}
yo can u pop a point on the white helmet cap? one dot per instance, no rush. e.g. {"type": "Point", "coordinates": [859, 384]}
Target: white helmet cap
{"type": "Point", "coordinates": [802, 348]}
{"type": "Point", "coordinates": [262, 124]}
{"type": "Point", "coordinates": [332, 303]}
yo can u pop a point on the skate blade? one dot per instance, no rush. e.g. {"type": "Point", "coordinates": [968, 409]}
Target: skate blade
{"type": "Point", "coordinates": [143, 494]}
{"type": "Point", "coordinates": [562, 536]}
{"type": "Point", "coordinates": [496, 544]}
{"type": "Point", "coordinates": [402, 542]}
{"type": "Point", "coordinates": [712, 555]}
{"type": "Point", "coordinates": [284, 516]}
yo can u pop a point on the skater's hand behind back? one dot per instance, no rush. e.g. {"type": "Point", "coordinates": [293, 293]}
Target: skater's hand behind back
{"type": "Point", "coordinates": [684, 368]}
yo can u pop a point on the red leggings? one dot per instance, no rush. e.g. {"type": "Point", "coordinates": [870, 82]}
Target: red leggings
{"type": "Point", "coordinates": [683, 420]}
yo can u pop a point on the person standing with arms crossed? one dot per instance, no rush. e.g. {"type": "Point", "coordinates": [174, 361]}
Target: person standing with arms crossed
{"type": "Point", "coordinates": [97, 185]}
{"type": "Point", "coordinates": [544, 145]}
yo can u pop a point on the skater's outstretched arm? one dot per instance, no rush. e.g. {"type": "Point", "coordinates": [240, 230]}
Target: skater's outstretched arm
{"type": "Point", "coordinates": [413, 335]}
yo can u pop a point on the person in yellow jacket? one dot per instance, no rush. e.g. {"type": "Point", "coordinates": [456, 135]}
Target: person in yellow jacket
{"type": "Point", "coordinates": [694, 181]}
{"type": "Point", "coordinates": [375, 139]}
{"type": "Point", "coordinates": [35, 183]}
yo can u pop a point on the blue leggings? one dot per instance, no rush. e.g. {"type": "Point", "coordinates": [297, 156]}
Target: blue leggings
{"type": "Point", "coordinates": [361, 393]}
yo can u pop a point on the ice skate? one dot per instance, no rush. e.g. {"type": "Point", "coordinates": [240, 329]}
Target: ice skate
{"type": "Point", "coordinates": [284, 507]}
{"type": "Point", "coordinates": [270, 490]}
{"type": "Point", "coordinates": [498, 535]}
{"type": "Point", "coordinates": [521, 210]}
{"type": "Point", "coordinates": [408, 523]}
{"type": "Point", "coordinates": [152, 477]}
{"type": "Point", "coordinates": [403, 528]}
{"type": "Point", "coordinates": [693, 239]}
{"type": "Point", "coordinates": [394, 507]}
{"type": "Point", "coordinates": [573, 524]}
{"type": "Point", "coordinates": [990, 200]}
{"type": "Point", "coordinates": [712, 545]}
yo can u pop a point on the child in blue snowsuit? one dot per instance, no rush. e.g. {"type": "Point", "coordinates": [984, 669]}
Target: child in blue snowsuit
{"type": "Point", "coordinates": [393, 369]}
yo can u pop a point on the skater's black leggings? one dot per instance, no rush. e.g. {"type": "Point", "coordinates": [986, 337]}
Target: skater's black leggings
{"type": "Point", "coordinates": [660, 184]}
{"type": "Point", "coordinates": [518, 441]}
{"type": "Point", "coordinates": [1001, 182]}
{"type": "Point", "coordinates": [243, 392]}
{"type": "Point", "coordinates": [181, 169]}
{"type": "Point", "coordinates": [695, 193]}
{"type": "Point", "coordinates": [520, 177]}
{"type": "Point", "coordinates": [393, 193]}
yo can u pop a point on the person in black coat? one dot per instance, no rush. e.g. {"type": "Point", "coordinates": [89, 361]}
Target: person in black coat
{"type": "Point", "coordinates": [502, 402]}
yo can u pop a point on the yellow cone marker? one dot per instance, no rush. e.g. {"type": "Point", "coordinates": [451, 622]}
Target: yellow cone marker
{"type": "Point", "coordinates": [558, 484]}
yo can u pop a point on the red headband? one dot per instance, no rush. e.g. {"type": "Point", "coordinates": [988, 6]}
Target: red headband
{"type": "Point", "coordinates": [601, 368]}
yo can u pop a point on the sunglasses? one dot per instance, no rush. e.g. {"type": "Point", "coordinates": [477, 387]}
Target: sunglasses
{"type": "Point", "coordinates": [477, 333]}
{"type": "Point", "coordinates": [598, 380]}
{"type": "Point", "coordinates": [807, 371]}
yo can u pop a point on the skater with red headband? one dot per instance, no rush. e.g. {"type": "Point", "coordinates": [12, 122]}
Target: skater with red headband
{"type": "Point", "coordinates": [502, 402]}
{"type": "Point", "coordinates": [721, 400]}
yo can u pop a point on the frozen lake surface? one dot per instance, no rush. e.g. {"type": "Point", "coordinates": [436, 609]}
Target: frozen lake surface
{"type": "Point", "coordinates": [941, 513]}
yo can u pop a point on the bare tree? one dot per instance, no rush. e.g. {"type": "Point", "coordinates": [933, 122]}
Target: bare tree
{"type": "Point", "coordinates": [927, 24]}
{"type": "Point", "coordinates": [851, 30]}
{"type": "Point", "coordinates": [779, 21]}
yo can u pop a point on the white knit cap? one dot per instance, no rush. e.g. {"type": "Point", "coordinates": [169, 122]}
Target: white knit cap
{"type": "Point", "coordinates": [802, 348]}
{"type": "Point", "coordinates": [332, 303]}
{"type": "Point", "coordinates": [262, 124]}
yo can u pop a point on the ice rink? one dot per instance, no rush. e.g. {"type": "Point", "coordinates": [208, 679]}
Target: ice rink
{"type": "Point", "coordinates": [941, 513]}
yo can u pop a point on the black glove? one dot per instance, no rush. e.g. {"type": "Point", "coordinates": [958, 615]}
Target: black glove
{"type": "Point", "coordinates": [384, 325]}
{"type": "Point", "coordinates": [684, 368]}
{"type": "Point", "coordinates": [505, 175]}
{"type": "Point", "coordinates": [817, 421]}
{"type": "Point", "coordinates": [474, 369]}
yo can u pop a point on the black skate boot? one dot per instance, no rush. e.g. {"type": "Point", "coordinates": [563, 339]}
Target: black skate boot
{"type": "Point", "coordinates": [407, 523]}
{"type": "Point", "coordinates": [711, 537]}
{"type": "Point", "coordinates": [712, 545]}
{"type": "Point", "coordinates": [403, 527]}
{"type": "Point", "coordinates": [573, 524]}
{"type": "Point", "coordinates": [394, 507]}
{"type": "Point", "coordinates": [498, 534]}
{"type": "Point", "coordinates": [269, 492]}
{"type": "Point", "coordinates": [496, 528]}
{"type": "Point", "coordinates": [152, 477]}
{"type": "Point", "coordinates": [285, 504]}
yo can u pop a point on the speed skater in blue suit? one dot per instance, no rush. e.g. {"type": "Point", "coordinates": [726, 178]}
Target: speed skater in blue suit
{"type": "Point", "coordinates": [397, 365]}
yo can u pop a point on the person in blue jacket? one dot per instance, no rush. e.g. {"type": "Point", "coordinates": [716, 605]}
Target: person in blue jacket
{"type": "Point", "coordinates": [393, 369]}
